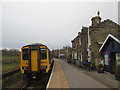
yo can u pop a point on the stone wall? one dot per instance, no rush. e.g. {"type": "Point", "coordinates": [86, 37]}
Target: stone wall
{"type": "Point", "coordinates": [98, 33]}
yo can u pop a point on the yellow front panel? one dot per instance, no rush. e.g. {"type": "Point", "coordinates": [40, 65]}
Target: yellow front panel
{"type": "Point", "coordinates": [34, 60]}
{"type": "Point", "coordinates": [45, 62]}
{"type": "Point", "coordinates": [22, 63]}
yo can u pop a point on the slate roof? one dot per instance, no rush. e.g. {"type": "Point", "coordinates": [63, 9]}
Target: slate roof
{"type": "Point", "coordinates": [109, 36]}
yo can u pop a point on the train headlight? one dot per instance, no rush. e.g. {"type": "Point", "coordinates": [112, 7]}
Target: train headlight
{"type": "Point", "coordinates": [25, 67]}
{"type": "Point", "coordinates": [34, 77]}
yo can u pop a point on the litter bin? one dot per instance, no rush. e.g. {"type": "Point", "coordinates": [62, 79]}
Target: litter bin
{"type": "Point", "coordinates": [100, 68]}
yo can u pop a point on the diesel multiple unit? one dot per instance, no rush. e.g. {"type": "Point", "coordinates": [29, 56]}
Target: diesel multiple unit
{"type": "Point", "coordinates": [35, 59]}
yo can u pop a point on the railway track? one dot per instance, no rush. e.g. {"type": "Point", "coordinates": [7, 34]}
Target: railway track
{"type": "Point", "coordinates": [36, 84]}
{"type": "Point", "coordinates": [10, 77]}
{"type": "Point", "coordinates": [40, 83]}
{"type": "Point", "coordinates": [7, 74]}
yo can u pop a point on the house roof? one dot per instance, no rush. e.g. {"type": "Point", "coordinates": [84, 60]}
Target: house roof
{"type": "Point", "coordinates": [108, 20]}
{"type": "Point", "coordinates": [109, 36]}
{"type": "Point", "coordinates": [75, 38]}
{"type": "Point", "coordinates": [105, 21]}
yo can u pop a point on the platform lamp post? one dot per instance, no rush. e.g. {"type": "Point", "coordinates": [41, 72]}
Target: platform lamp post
{"type": "Point", "coordinates": [67, 52]}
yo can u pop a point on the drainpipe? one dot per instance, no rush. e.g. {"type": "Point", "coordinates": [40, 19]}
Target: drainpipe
{"type": "Point", "coordinates": [89, 43]}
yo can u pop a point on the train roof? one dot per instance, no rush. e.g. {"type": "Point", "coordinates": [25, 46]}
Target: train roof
{"type": "Point", "coordinates": [34, 44]}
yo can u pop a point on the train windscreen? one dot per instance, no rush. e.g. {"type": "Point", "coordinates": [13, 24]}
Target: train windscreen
{"type": "Point", "coordinates": [43, 54]}
{"type": "Point", "coordinates": [25, 54]}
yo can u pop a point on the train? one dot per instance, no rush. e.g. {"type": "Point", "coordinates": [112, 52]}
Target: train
{"type": "Point", "coordinates": [35, 60]}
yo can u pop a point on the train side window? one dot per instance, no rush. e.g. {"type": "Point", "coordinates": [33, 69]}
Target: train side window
{"type": "Point", "coordinates": [25, 54]}
{"type": "Point", "coordinates": [43, 54]}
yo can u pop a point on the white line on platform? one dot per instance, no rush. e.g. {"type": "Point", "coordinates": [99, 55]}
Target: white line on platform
{"type": "Point", "coordinates": [50, 77]}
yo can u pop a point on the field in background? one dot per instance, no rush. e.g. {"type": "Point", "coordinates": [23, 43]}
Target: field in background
{"type": "Point", "coordinates": [10, 60]}
{"type": "Point", "coordinates": [9, 67]}
{"type": "Point", "coordinates": [0, 63]}
{"type": "Point", "coordinates": [10, 63]}
{"type": "Point", "coordinates": [0, 68]}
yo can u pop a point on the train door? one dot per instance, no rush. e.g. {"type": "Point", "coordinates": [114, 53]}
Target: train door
{"type": "Point", "coordinates": [34, 60]}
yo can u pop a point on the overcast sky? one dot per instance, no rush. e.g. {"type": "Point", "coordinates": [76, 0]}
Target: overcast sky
{"type": "Point", "coordinates": [52, 23]}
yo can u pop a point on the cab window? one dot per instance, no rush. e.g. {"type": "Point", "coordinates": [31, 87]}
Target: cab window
{"type": "Point", "coordinates": [25, 54]}
{"type": "Point", "coordinates": [43, 54]}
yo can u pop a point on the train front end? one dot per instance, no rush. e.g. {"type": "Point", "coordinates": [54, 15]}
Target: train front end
{"type": "Point", "coordinates": [34, 60]}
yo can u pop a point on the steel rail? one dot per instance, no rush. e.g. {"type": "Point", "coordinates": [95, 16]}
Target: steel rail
{"type": "Point", "coordinates": [4, 75]}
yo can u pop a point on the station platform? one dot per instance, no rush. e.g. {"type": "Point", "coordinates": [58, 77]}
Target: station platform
{"type": "Point", "coordinates": [57, 78]}
{"type": "Point", "coordinates": [65, 75]}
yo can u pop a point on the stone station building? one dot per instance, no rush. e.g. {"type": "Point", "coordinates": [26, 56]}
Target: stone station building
{"type": "Point", "coordinates": [85, 47]}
